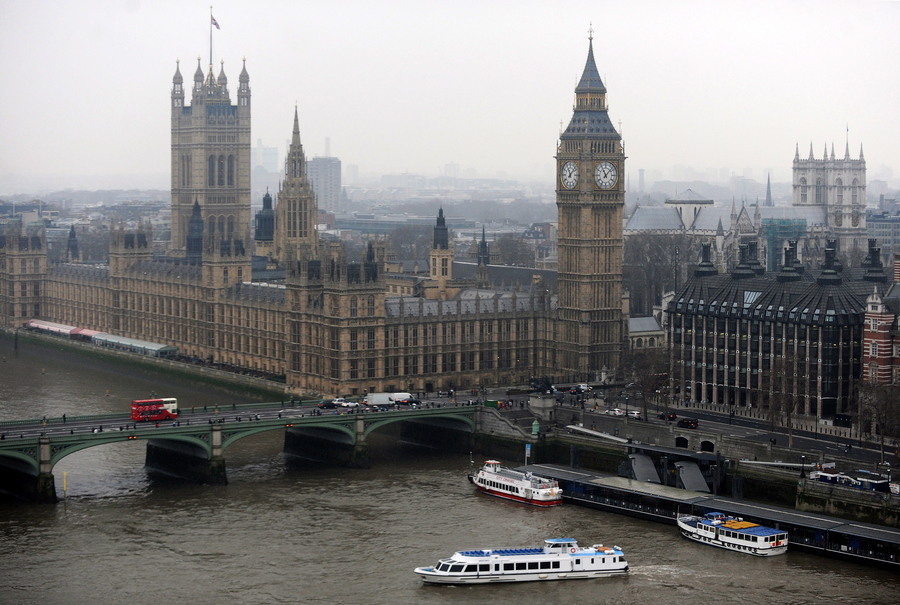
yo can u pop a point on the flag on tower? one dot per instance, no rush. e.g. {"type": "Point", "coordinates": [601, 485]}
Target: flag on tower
{"type": "Point", "coordinates": [214, 22]}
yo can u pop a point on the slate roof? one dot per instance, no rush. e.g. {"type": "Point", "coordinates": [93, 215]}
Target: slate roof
{"type": "Point", "coordinates": [654, 218]}
{"type": "Point", "coordinates": [643, 324]}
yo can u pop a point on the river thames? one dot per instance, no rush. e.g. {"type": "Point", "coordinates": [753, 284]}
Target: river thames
{"type": "Point", "coordinates": [289, 532]}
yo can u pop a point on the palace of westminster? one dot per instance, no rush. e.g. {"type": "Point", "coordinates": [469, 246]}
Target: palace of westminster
{"type": "Point", "coordinates": [332, 327]}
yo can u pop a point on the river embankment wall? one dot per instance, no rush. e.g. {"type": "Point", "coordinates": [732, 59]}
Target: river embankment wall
{"type": "Point", "coordinates": [201, 373]}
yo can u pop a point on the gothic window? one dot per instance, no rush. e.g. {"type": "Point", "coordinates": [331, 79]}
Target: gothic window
{"type": "Point", "coordinates": [370, 306]}
{"type": "Point", "coordinates": [818, 191]}
{"type": "Point", "coordinates": [211, 226]}
{"type": "Point", "coordinates": [221, 226]}
{"type": "Point", "coordinates": [231, 171]}
{"type": "Point", "coordinates": [211, 170]}
{"type": "Point", "coordinates": [854, 188]}
{"type": "Point", "coordinates": [354, 307]}
{"type": "Point", "coordinates": [220, 180]}
{"type": "Point", "coordinates": [839, 187]}
{"type": "Point", "coordinates": [444, 267]}
{"type": "Point", "coordinates": [230, 227]}
{"type": "Point", "coordinates": [803, 191]}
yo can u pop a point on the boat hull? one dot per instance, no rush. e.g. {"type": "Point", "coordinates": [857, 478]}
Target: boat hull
{"type": "Point", "coordinates": [429, 576]}
{"type": "Point", "coordinates": [514, 498]}
{"type": "Point", "coordinates": [691, 534]}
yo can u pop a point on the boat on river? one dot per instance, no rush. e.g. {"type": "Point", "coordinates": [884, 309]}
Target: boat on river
{"type": "Point", "coordinates": [503, 482]}
{"type": "Point", "coordinates": [558, 559]}
{"type": "Point", "coordinates": [733, 533]}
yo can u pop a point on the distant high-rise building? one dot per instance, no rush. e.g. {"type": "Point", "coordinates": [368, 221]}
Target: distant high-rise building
{"type": "Point", "coordinates": [351, 174]}
{"type": "Point", "coordinates": [325, 175]}
{"type": "Point", "coordinates": [267, 157]}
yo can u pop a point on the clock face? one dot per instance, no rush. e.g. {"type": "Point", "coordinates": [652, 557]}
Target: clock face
{"type": "Point", "coordinates": [569, 175]}
{"type": "Point", "coordinates": [605, 175]}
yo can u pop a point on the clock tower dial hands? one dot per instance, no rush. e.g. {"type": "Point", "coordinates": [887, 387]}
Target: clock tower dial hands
{"type": "Point", "coordinates": [569, 175]}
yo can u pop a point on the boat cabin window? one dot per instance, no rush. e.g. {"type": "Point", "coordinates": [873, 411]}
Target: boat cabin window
{"type": "Point", "coordinates": [471, 568]}
{"type": "Point", "coordinates": [509, 566]}
{"type": "Point", "coordinates": [533, 565]}
{"type": "Point", "coordinates": [521, 566]}
{"type": "Point", "coordinates": [484, 567]}
{"type": "Point", "coordinates": [545, 564]}
{"type": "Point", "coordinates": [577, 561]}
{"type": "Point", "coordinates": [456, 568]}
{"type": "Point", "coordinates": [555, 564]}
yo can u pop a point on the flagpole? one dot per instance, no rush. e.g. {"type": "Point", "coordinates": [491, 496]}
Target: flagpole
{"type": "Point", "coordinates": [210, 33]}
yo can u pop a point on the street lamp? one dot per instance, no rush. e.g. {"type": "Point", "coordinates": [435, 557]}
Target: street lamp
{"type": "Point", "coordinates": [802, 467]}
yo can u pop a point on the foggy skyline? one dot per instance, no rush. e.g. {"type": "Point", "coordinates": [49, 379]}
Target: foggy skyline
{"type": "Point", "coordinates": [403, 86]}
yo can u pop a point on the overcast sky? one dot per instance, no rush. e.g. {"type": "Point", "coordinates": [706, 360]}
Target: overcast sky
{"type": "Point", "coordinates": [410, 86]}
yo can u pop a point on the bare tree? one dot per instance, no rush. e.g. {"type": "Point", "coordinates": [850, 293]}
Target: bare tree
{"type": "Point", "coordinates": [412, 242]}
{"type": "Point", "coordinates": [514, 251]}
{"type": "Point", "coordinates": [655, 264]}
{"type": "Point", "coordinates": [648, 369]}
{"type": "Point", "coordinates": [879, 412]}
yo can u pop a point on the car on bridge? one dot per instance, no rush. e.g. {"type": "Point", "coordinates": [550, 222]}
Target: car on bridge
{"type": "Point", "coordinates": [340, 401]}
{"type": "Point", "coordinates": [670, 417]}
{"type": "Point", "coordinates": [327, 404]}
{"type": "Point", "coordinates": [615, 412]}
{"type": "Point", "coordinates": [688, 423]}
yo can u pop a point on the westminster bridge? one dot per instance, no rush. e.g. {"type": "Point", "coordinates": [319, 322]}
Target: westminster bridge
{"type": "Point", "coordinates": [193, 446]}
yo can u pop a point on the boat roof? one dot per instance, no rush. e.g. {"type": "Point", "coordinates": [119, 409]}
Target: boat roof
{"type": "Point", "coordinates": [559, 540]}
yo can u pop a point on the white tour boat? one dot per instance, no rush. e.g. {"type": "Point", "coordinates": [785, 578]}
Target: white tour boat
{"type": "Point", "coordinates": [506, 483]}
{"type": "Point", "coordinates": [559, 559]}
{"type": "Point", "coordinates": [733, 533]}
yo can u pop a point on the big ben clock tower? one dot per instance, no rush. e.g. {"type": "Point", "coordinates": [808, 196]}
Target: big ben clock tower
{"type": "Point", "coordinates": [590, 195]}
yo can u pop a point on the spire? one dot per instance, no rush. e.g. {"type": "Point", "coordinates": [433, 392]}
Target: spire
{"type": "Point", "coordinates": [295, 136]}
{"type": "Point", "coordinates": [441, 239]}
{"type": "Point", "coordinates": [590, 119]}
{"type": "Point", "coordinates": [811, 156]}
{"type": "Point", "coordinates": [223, 79]}
{"type": "Point", "coordinates": [832, 151]}
{"type": "Point", "coordinates": [244, 77]}
{"type": "Point", "coordinates": [769, 202]}
{"type": "Point", "coordinates": [847, 151]}
{"type": "Point", "coordinates": [177, 79]}
{"type": "Point", "coordinates": [861, 157]}
{"type": "Point", "coordinates": [590, 77]}
{"type": "Point", "coordinates": [797, 152]}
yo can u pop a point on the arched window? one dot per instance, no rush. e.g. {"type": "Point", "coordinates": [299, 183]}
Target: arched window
{"type": "Point", "coordinates": [640, 343]}
{"type": "Point", "coordinates": [370, 306]}
{"type": "Point", "coordinates": [818, 191]}
{"type": "Point", "coordinates": [211, 226]}
{"type": "Point", "coordinates": [354, 306]}
{"type": "Point", "coordinates": [221, 226]}
{"type": "Point", "coordinates": [230, 227]}
{"type": "Point", "coordinates": [211, 170]}
{"type": "Point", "coordinates": [873, 349]}
{"type": "Point", "coordinates": [803, 191]}
{"type": "Point", "coordinates": [839, 187]}
{"type": "Point", "coordinates": [231, 171]}
{"type": "Point", "coordinates": [221, 171]}
{"type": "Point", "coordinates": [854, 188]}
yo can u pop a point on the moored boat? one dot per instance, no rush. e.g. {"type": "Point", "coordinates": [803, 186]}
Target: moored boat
{"type": "Point", "coordinates": [503, 482]}
{"type": "Point", "coordinates": [558, 559]}
{"type": "Point", "coordinates": [733, 533]}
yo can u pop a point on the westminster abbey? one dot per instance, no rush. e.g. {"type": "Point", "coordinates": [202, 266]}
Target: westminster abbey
{"type": "Point", "coordinates": [330, 325]}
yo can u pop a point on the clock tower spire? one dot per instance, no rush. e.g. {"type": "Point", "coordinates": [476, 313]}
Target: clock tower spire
{"type": "Point", "coordinates": [590, 196]}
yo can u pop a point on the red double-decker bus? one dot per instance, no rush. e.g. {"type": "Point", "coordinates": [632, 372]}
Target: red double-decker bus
{"type": "Point", "coordinates": [154, 409]}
